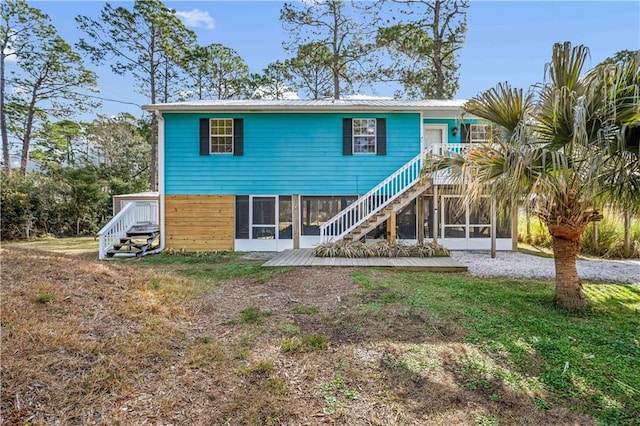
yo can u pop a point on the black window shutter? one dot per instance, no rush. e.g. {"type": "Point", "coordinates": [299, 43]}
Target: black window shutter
{"type": "Point", "coordinates": [464, 133]}
{"type": "Point", "coordinates": [205, 142]}
{"type": "Point", "coordinates": [238, 136]}
{"type": "Point", "coordinates": [381, 136]}
{"type": "Point", "coordinates": [347, 136]}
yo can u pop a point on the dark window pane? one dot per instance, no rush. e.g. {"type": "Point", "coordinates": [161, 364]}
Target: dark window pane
{"type": "Point", "coordinates": [286, 224]}
{"type": "Point", "coordinates": [317, 210]}
{"type": "Point", "coordinates": [454, 232]}
{"type": "Point", "coordinates": [406, 222]}
{"type": "Point", "coordinates": [428, 217]}
{"type": "Point", "coordinates": [480, 213]}
{"type": "Point", "coordinates": [480, 231]}
{"type": "Point", "coordinates": [503, 227]}
{"type": "Point", "coordinates": [264, 211]}
{"type": "Point", "coordinates": [454, 211]}
{"type": "Point", "coordinates": [264, 233]}
{"type": "Point", "coordinates": [242, 217]}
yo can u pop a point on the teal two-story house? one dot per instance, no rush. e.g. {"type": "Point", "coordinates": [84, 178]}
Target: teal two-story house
{"type": "Point", "coordinates": [270, 175]}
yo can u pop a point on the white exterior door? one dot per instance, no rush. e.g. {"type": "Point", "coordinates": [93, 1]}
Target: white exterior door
{"type": "Point", "coordinates": [433, 134]}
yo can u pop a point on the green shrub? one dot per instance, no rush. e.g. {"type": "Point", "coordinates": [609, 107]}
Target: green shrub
{"type": "Point", "coordinates": [610, 242]}
{"type": "Point", "coordinates": [357, 249]}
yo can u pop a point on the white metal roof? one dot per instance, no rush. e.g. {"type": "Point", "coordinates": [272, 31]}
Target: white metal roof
{"type": "Point", "coordinates": [309, 105]}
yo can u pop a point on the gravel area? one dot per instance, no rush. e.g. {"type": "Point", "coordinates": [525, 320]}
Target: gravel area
{"type": "Point", "coordinates": [521, 265]}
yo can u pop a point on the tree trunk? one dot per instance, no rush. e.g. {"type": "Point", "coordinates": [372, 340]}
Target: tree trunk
{"type": "Point", "coordinates": [6, 158]}
{"type": "Point", "coordinates": [336, 54]}
{"type": "Point", "coordinates": [153, 185]}
{"type": "Point", "coordinates": [437, 50]}
{"type": "Point", "coordinates": [26, 140]}
{"type": "Point", "coordinates": [568, 287]}
{"type": "Point", "coordinates": [626, 251]}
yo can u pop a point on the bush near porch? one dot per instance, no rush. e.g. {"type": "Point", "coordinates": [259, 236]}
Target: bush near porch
{"type": "Point", "coordinates": [357, 249]}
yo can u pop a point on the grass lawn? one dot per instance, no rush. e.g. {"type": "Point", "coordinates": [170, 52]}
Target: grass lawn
{"type": "Point", "coordinates": [85, 246]}
{"type": "Point", "coordinates": [220, 340]}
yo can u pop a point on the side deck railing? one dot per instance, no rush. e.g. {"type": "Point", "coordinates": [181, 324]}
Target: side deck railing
{"type": "Point", "coordinates": [373, 201]}
{"type": "Point", "coordinates": [445, 149]}
{"type": "Point", "coordinates": [131, 214]}
{"type": "Point", "coordinates": [443, 177]}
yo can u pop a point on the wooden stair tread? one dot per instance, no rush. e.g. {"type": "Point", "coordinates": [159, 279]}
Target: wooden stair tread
{"type": "Point", "coordinates": [137, 241]}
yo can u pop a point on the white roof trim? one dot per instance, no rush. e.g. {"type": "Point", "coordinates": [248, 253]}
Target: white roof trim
{"type": "Point", "coordinates": [308, 105]}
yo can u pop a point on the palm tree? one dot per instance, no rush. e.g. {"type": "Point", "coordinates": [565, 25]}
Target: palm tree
{"type": "Point", "coordinates": [623, 178]}
{"type": "Point", "coordinates": [554, 148]}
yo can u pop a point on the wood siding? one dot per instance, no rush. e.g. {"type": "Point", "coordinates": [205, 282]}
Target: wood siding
{"type": "Point", "coordinates": [199, 222]}
{"type": "Point", "coordinates": [284, 153]}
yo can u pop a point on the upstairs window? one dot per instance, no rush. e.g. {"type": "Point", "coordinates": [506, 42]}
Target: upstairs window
{"type": "Point", "coordinates": [221, 135]}
{"type": "Point", "coordinates": [364, 135]}
{"type": "Point", "coordinates": [479, 133]}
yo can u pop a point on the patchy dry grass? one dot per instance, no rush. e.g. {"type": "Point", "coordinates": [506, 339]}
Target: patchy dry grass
{"type": "Point", "coordinates": [218, 340]}
{"type": "Point", "coordinates": [85, 246]}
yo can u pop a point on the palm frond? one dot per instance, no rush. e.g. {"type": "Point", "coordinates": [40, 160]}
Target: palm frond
{"type": "Point", "coordinates": [501, 105]}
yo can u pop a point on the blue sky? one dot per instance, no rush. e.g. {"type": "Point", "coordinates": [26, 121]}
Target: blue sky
{"type": "Point", "coordinates": [506, 40]}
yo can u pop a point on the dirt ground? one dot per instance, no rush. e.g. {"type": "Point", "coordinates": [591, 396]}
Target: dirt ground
{"type": "Point", "coordinates": [87, 342]}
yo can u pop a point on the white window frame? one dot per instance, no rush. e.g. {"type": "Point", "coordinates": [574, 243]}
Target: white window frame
{"type": "Point", "coordinates": [479, 128]}
{"type": "Point", "coordinates": [361, 135]}
{"type": "Point", "coordinates": [211, 136]}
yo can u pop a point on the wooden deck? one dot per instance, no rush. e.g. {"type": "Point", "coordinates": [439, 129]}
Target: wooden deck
{"type": "Point", "coordinates": [305, 257]}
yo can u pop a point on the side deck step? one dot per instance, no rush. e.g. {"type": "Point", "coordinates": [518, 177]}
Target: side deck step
{"type": "Point", "coordinates": [139, 240]}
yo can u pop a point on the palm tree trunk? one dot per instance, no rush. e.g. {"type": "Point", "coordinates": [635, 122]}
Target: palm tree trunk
{"type": "Point", "coordinates": [626, 251]}
{"type": "Point", "coordinates": [568, 287]}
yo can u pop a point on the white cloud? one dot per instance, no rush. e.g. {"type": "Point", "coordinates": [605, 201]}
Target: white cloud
{"type": "Point", "coordinates": [11, 57]}
{"type": "Point", "coordinates": [197, 18]}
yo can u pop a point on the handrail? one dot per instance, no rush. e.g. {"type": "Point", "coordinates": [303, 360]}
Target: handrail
{"type": "Point", "coordinates": [131, 213]}
{"type": "Point", "coordinates": [443, 149]}
{"type": "Point", "coordinates": [373, 201]}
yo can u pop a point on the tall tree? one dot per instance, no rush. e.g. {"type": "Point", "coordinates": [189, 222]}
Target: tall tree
{"type": "Point", "coordinates": [310, 70]}
{"type": "Point", "coordinates": [22, 29]}
{"type": "Point", "coordinates": [273, 83]}
{"type": "Point", "coordinates": [217, 71]}
{"type": "Point", "coordinates": [337, 26]}
{"type": "Point", "coordinates": [55, 144]}
{"type": "Point", "coordinates": [554, 152]}
{"type": "Point", "coordinates": [118, 145]}
{"type": "Point", "coordinates": [138, 42]}
{"type": "Point", "coordinates": [424, 45]}
{"type": "Point", "coordinates": [51, 82]}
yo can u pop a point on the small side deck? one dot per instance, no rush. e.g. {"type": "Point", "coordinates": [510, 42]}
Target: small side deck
{"type": "Point", "coordinates": [305, 257]}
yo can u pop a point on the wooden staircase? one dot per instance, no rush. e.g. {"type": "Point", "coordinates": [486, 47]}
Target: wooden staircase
{"type": "Point", "coordinates": [380, 217]}
{"type": "Point", "coordinates": [138, 240]}
{"type": "Point", "coordinates": [132, 232]}
{"type": "Point", "coordinates": [392, 194]}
